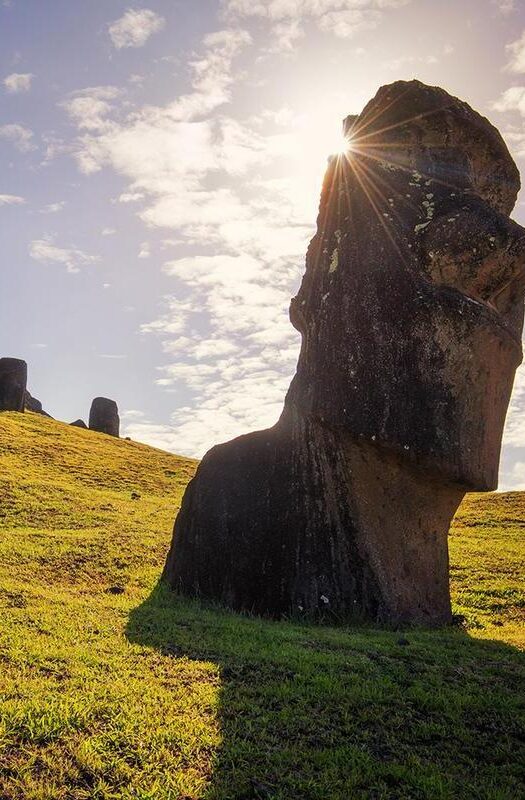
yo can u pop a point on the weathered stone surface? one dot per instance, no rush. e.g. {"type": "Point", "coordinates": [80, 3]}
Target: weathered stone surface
{"type": "Point", "coordinates": [103, 416]}
{"type": "Point", "coordinates": [78, 423]}
{"type": "Point", "coordinates": [34, 405]}
{"type": "Point", "coordinates": [410, 311]}
{"type": "Point", "coordinates": [13, 380]}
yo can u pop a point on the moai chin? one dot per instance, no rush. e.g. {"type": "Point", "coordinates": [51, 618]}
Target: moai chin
{"type": "Point", "coordinates": [411, 313]}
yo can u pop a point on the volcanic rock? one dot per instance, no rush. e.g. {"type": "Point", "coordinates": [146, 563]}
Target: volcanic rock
{"type": "Point", "coordinates": [34, 405]}
{"type": "Point", "coordinates": [410, 312]}
{"type": "Point", "coordinates": [13, 380]}
{"type": "Point", "coordinates": [78, 423]}
{"type": "Point", "coordinates": [103, 416]}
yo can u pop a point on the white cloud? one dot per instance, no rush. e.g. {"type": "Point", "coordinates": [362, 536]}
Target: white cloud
{"type": "Point", "coordinates": [88, 108]}
{"type": "Point", "coordinates": [130, 197]}
{"type": "Point", "coordinates": [135, 27]}
{"type": "Point", "coordinates": [149, 145]}
{"type": "Point", "coordinates": [54, 147]}
{"type": "Point", "coordinates": [251, 401]}
{"type": "Point", "coordinates": [513, 479]}
{"type": "Point", "coordinates": [212, 78]}
{"type": "Point", "coordinates": [288, 9]}
{"type": "Point", "coordinates": [18, 82]}
{"type": "Point", "coordinates": [346, 23]}
{"type": "Point", "coordinates": [131, 413]}
{"type": "Point", "coordinates": [516, 51]}
{"type": "Point", "coordinates": [145, 250]}
{"type": "Point", "coordinates": [286, 34]}
{"type": "Point", "coordinates": [53, 208]}
{"type": "Point", "coordinates": [164, 437]}
{"type": "Point", "coordinates": [232, 396]}
{"type": "Point", "coordinates": [239, 369]}
{"type": "Point", "coordinates": [11, 200]}
{"type": "Point", "coordinates": [174, 319]}
{"type": "Point", "coordinates": [225, 332]}
{"type": "Point", "coordinates": [226, 335]}
{"type": "Point", "coordinates": [20, 136]}
{"type": "Point", "coordinates": [514, 434]}
{"type": "Point", "coordinates": [342, 18]}
{"type": "Point", "coordinates": [512, 99]}
{"type": "Point", "coordinates": [46, 252]}
{"type": "Point", "coordinates": [505, 6]}
{"type": "Point", "coordinates": [516, 142]}
{"type": "Point", "coordinates": [397, 64]}
{"type": "Point", "coordinates": [163, 150]}
{"type": "Point", "coordinates": [513, 476]}
{"type": "Point", "coordinates": [108, 231]}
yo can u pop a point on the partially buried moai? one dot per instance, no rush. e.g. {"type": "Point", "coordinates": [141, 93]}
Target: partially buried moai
{"type": "Point", "coordinates": [411, 312]}
{"type": "Point", "coordinates": [13, 381]}
{"type": "Point", "coordinates": [103, 416]}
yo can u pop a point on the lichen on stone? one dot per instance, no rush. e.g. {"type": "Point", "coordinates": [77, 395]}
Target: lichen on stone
{"type": "Point", "coordinates": [334, 260]}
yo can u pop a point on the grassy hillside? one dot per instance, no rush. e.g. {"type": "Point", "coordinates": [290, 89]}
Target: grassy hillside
{"type": "Point", "coordinates": [113, 688]}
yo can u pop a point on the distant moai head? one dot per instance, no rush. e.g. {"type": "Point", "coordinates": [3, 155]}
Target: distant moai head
{"type": "Point", "coordinates": [103, 416]}
{"type": "Point", "coordinates": [13, 381]}
{"type": "Point", "coordinates": [411, 307]}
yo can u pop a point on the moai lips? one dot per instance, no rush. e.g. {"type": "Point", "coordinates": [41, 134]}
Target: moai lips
{"type": "Point", "coordinates": [410, 312]}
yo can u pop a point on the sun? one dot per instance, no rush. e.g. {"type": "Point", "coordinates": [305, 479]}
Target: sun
{"type": "Point", "coordinates": [313, 136]}
{"type": "Point", "coordinates": [331, 138]}
{"type": "Point", "coordinates": [342, 145]}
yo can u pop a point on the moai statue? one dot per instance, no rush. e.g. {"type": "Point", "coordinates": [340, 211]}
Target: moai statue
{"type": "Point", "coordinates": [13, 381]}
{"type": "Point", "coordinates": [103, 416]}
{"type": "Point", "coordinates": [411, 313]}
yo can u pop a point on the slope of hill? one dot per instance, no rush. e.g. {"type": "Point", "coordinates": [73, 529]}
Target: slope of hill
{"type": "Point", "coordinates": [113, 688]}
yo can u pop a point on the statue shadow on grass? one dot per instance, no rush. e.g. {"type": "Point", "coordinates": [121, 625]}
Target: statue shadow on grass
{"type": "Point", "coordinates": [310, 711]}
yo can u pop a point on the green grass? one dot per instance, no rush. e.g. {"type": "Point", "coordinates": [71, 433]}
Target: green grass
{"type": "Point", "coordinates": [113, 688]}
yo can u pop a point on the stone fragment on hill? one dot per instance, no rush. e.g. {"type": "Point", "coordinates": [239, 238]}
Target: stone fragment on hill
{"type": "Point", "coordinates": [103, 416]}
{"type": "Point", "coordinates": [34, 405]}
{"type": "Point", "coordinates": [411, 313]}
{"type": "Point", "coordinates": [13, 380]}
{"type": "Point", "coordinates": [78, 423]}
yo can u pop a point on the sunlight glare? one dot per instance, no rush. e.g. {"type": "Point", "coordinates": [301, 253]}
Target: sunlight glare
{"type": "Point", "coordinates": [338, 143]}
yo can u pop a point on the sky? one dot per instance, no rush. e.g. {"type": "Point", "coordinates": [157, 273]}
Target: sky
{"type": "Point", "coordinates": [160, 169]}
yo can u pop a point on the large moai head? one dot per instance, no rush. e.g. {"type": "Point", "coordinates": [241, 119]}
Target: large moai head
{"type": "Point", "coordinates": [411, 306]}
{"type": "Point", "coordinates": [13, 381]}
{"type": "Point", "coordinates": [103, 416]}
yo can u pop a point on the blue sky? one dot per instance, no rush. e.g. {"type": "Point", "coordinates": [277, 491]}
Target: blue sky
{"type": "Point", "coordinates": [160, 172]}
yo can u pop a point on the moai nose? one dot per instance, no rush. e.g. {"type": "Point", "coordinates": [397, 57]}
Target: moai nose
{"type": "Point", "coordinates": [478, 251]}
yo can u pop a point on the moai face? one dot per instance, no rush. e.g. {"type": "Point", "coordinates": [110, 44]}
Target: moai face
{"type": "Point", "coordinates": [411, 307]}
